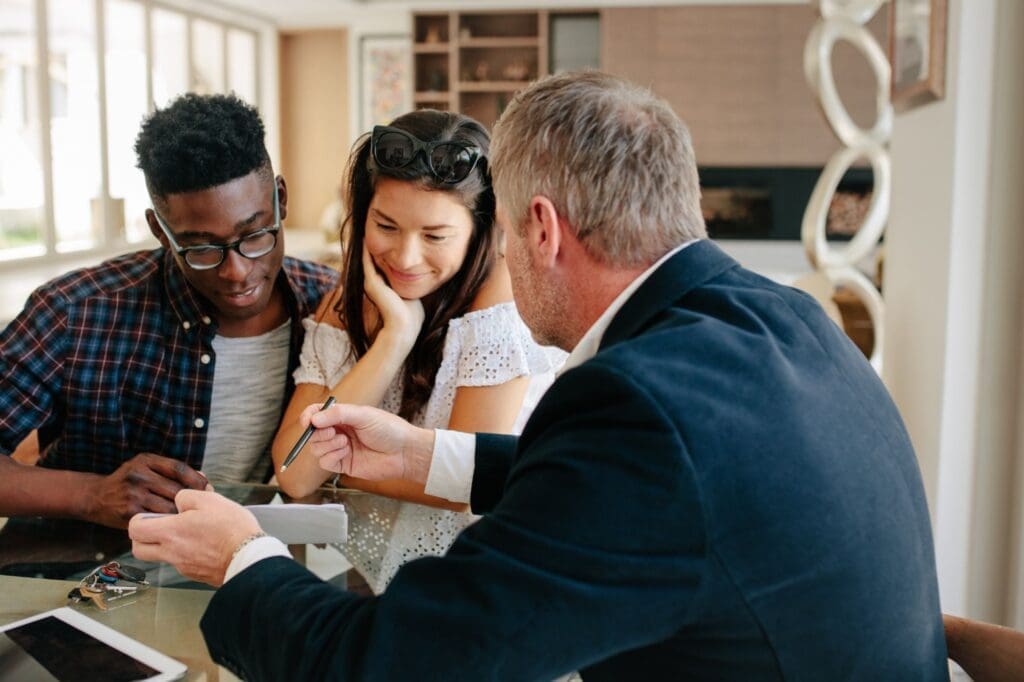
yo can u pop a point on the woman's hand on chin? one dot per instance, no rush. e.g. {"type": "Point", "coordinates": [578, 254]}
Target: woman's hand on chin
{"type": "Point", "coordinates": [402, 319]}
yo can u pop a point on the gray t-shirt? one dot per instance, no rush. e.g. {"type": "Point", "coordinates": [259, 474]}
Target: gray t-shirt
{"type": "Point", "coordinates": [248, 390]}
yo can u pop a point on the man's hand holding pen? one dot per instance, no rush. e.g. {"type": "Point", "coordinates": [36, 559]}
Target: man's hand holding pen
{"type": "Point", "coordinates": [369, 443]}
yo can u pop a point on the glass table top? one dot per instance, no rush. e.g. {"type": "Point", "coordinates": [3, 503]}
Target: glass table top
{"type": "Point", "coordinates": [64, 549]}
{"type": "Point", "coordinates": [42, 559]}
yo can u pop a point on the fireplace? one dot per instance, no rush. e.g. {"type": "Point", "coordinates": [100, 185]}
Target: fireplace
{"type": "Point", "coordinates": [769, 203]}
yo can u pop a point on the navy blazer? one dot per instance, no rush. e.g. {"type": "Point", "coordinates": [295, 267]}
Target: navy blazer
{"type": "Point", "coordinates": [725, 491]}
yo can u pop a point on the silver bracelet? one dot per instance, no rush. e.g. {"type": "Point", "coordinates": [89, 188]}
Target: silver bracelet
{"type": "Point", "coordinates": [246, 541]}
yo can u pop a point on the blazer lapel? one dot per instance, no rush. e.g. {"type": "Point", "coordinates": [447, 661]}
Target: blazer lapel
{"type": "Point", "coordinates": [691, 267]}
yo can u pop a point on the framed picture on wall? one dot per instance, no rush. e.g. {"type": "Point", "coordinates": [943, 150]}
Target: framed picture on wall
{"type": "Point", "coordinates": [917, 51]}
{"type": "Point", "coordinates": [385, 78]}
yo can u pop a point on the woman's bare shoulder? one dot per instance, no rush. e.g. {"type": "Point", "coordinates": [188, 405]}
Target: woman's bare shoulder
{"type": "Point", "coordinates": [326, 313]}
{"type": "Point", "coordinates": [497, 288]}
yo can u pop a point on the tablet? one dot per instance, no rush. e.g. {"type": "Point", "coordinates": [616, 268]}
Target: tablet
{"type": "Point", "coordinates": [65, 645]}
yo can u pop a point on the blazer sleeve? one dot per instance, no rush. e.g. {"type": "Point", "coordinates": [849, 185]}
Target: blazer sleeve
{"type": "Point", "coordinates": [595, 547]}
{"type": "Point", "coordinates": [494, 455]}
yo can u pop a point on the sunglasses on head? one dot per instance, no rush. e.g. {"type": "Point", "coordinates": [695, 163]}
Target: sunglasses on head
{"type": "Point", "coordinates": [449, 161]}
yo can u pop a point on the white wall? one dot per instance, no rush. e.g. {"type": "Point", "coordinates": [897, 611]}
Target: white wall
{"type": "Point", "coordinates": [933, 288]}
{"type": "Point", "coordinates": [1016, 570]}
{"type": "Point", "coordinates": [994, 531]}
{"type": "Point", "coordinates": [1002, 425]}
{"type": "Point", "coordinates": [953, 283]}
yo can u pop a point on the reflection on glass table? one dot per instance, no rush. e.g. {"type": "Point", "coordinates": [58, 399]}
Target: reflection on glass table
{"type": "Point", "coordinates": [383, 534]}
{"type": "Point", "coordinates": [65, 549]}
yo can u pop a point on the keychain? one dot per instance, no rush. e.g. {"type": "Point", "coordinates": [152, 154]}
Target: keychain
{"type": "Point", "coordinates": [102, 584]}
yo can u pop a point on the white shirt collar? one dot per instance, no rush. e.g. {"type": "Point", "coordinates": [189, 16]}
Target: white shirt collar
{"type": "Point", "coordinates": [591, 341]}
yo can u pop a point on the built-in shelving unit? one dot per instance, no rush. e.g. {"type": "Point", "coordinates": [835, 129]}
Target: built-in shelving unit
{"type": "Point", "coordinates": [473, 62]}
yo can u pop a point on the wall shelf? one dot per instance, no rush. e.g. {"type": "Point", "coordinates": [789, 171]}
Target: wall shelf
{"type": "Point", "coordinates": [470, 43]}
{"type": "Point", "coordinates": [430, 48]}
{"type": "Point", "coordinates": [492, 86]}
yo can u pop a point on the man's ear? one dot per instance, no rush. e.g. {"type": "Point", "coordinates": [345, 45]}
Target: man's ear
{"type": "Point", "coordinates": [154, 228]}
{"type": "Point", "coordinates": [282, 196]}
{"type": "Point", "coordinates": [544, 231]}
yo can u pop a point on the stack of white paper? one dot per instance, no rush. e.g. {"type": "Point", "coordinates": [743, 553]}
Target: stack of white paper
{"type": "Point", "coordinates": [296, 524]}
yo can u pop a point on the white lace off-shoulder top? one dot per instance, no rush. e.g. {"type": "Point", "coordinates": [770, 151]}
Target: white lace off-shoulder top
{"type": "Point", "coordinates": [483, 348]}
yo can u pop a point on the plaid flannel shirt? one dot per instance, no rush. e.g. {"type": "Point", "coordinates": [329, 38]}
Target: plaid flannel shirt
{"type": "Point", "coordinates": [117, 359]}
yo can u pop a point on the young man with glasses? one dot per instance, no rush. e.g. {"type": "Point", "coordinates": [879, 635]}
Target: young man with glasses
{"type": "Point", "coordinates": [142, 371]}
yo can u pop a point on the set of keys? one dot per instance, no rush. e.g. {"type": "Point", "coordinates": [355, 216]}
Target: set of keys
{"type": "Point", "coordinates": [104, 585]}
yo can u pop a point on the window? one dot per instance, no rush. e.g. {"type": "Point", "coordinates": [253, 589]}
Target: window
{"type": "Point", "coordinates": [126, 105]}
{"type": "Point", "coordinates": [68, 181]}
{"type": "Point", "coordinates": [207, 57]}
{"type": "Point", "coordinates": [242, 64]}
{"type": "Point", "coordinates": [21, 164]}
{"type": "Point", "coordinates": [74, 124]}
{"type": "Point", "coordinates": [170, 56]}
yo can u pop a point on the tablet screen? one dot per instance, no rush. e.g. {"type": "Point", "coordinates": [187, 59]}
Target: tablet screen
{"type": "Point", "coordinates": [50, 649]}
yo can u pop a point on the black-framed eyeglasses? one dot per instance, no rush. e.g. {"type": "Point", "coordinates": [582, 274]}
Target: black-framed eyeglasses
{"type": "Point", "coordinates": [209, 256]}
{"type": "Point", "coordinates": [449, 161]}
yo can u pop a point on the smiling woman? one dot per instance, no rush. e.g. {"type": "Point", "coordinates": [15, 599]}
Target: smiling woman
{"type": "Point", "coordinates": [423, 325]}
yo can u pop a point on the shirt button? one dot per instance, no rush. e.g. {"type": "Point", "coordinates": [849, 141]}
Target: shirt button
{"type": "Point", "coordinates": [186, 325]}
{"type": "Point", "coordinates": [206, 320]}
{"type": "Point", "coordinates": [200, 423]}
{"type": "Point", "coordinates": [204, 358]}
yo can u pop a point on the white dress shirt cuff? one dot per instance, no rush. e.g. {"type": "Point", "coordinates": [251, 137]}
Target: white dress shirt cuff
{"type": "Point", "coordinates": [452, 465]}
{"type": "Point", "coordinates": [257, 550]}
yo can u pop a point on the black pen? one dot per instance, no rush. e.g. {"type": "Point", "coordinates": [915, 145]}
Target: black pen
{"type": "Point", "coordinates": [304, 437]}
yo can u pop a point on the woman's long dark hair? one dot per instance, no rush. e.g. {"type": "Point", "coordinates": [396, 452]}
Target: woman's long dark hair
{"type": "Point", "coordinates": [453, 298]}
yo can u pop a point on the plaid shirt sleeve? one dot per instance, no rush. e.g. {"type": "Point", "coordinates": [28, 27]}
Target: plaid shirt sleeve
{"type": "Point", "coordinates": [32, 349]}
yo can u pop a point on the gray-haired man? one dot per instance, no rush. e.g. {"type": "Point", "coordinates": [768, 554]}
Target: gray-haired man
{"type": "Point", "coordinates": [717, 487]}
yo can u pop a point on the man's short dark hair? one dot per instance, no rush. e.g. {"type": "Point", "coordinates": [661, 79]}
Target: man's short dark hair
{"type": "Point", "coordinates": [198, 142]}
